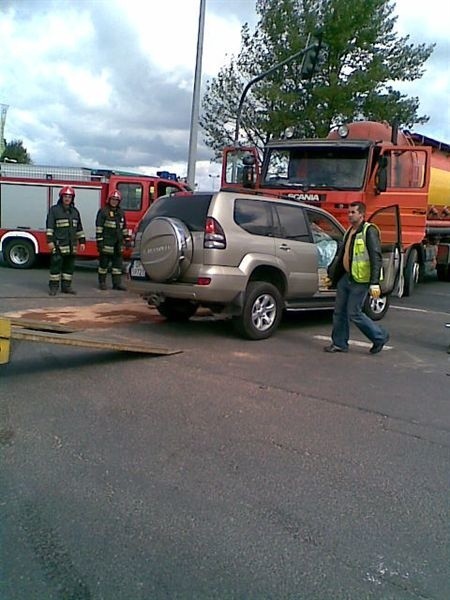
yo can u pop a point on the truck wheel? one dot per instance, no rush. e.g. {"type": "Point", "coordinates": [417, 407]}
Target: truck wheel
{"type": "Point", "coordinates": [443, 272]}
{"type": "Point", "coordinates": [19, 254]}
{"type": "Point", "coordinates": [262, 311]}
{"type": "Point", "coordinates": [177, 310]}
{"type": "Point", "coordinates": [376, 308]}
{"type": "Point", "coordinates": [411, 273]}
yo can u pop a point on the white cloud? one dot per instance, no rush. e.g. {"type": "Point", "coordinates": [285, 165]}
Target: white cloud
{"type": "Point", "coordinates": [167, 33]}
{"type": "Point", "coordinates": [425, 23]}
{"type": "Point", "coordinates": [92, 89]}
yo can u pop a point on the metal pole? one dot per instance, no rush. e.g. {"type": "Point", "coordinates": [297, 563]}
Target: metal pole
{"type": "Point", "coordinates": [3, 111]}
{"type": "Point", "coordinates": [196, 99]}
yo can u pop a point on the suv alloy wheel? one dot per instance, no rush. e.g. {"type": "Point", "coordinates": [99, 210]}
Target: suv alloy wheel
{"type": "Point", "coordinates": [375, 309]}
{"type": "Point", "coordinates": [262, 311]}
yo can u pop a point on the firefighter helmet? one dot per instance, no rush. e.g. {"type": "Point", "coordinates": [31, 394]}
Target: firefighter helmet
{"type": "Point", "coordinates": [67, 191]}
{"type": "Point", "coordinates": [115, 195]}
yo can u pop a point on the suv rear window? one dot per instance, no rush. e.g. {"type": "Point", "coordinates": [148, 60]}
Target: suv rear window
{"type": "Point", "coordinates": [191, 209]}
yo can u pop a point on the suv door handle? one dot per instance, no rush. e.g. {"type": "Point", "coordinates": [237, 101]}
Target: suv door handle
{"type": "Point", "coordinates": [285, 247]}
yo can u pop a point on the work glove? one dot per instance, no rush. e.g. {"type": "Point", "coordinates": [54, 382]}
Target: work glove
{"type": "Point", "coordinates": [99, 248]}
{"type": "Point", "coordinates": [375, 291]}
{"type": "Point", "coordinates": [327, 282]}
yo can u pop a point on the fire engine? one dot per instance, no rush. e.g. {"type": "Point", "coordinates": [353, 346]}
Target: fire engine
{"type": "Point", "coordinates": [364, 161]}
{"type": "Point", "coordinates": [28, 191]}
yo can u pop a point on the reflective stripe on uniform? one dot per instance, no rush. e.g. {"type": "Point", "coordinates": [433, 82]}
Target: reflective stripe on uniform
{"type": "Point", "coordinates": [62, 223]}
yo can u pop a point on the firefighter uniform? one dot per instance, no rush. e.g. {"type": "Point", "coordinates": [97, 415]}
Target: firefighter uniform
{"type": "Point", "coordinates": [64, 233]}
{"type": "Point", "coordinates": [111, 235]}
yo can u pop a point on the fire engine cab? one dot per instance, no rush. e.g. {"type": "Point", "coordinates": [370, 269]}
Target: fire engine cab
{"type": "Point", "coordinates": [28, 191]}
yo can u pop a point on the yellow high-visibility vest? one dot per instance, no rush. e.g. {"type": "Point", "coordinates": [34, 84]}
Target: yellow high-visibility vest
{"type": "Point", "coordinates": [360, 258]}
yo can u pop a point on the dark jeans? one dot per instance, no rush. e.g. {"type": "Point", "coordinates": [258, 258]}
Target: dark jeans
{"type": "Point", "coordinates": [350, 299]}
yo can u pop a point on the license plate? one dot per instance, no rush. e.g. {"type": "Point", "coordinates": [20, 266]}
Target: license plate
{"type": "Point", "coordinates": [137, 270]}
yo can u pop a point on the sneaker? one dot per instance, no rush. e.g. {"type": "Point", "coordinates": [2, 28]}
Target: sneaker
{"type": "Point", "coordinates": [334, 348]}
{"type": "Point", "coordinates": [378, 346]}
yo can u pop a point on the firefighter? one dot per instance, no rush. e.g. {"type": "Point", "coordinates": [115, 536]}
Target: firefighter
{"type": "Point", "coordinates": [111, 235]}
{"type": "Point", "coordinates": [64, 234]}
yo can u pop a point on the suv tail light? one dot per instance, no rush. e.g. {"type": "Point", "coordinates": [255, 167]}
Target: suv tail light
{"type": "Point", "coordinates": [214, 235]}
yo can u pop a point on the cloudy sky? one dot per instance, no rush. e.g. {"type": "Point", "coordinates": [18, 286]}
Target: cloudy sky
{"type": "Point", "coordinates": [108, 83]}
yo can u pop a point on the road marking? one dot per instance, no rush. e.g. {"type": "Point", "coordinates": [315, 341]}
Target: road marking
{"type": "Point", "coordinates": [421, 310]}
{"type": "Point", "coordinates": [326, 338]}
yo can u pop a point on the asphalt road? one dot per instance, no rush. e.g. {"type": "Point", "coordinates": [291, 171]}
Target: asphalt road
{"type": "Point", "coordinates": [234, 470]}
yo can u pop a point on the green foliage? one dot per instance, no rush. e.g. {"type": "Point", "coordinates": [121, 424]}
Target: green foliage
{"type": "Point", "coordinates": [361, 59]}
{"type": "Point", "coordinates": [15, 151]}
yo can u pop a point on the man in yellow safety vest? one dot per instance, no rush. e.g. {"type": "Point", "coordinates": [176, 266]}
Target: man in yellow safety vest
{"type": "Point", "coordinates": [356, 273]}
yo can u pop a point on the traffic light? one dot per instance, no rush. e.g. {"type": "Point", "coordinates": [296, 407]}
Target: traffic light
{"type": "Point", "coordinates": [313, 45]}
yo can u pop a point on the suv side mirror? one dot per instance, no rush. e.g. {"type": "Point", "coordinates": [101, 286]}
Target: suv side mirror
{"type": "Point", "coordinates": [382, 176]}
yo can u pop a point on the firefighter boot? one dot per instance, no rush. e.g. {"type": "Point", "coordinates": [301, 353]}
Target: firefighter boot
{"type": "Point", "coordinates": [53, 288]}
{"type": "Point", "coordinates": [102, 282]}
{"type": "Point", "coordinates": [66, 288]}
{"type": "Point", "coordinates": [117, 283]}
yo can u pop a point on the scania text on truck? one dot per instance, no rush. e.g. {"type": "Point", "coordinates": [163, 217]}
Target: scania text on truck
{"type": "Point", "coordinates": [368, 162]}
{"type": "Point", "coordinates": [28, 191]}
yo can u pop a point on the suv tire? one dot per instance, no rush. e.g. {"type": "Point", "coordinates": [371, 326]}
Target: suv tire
{"type": "Point", "coordinates": [262, 311]}
{"type": "Point", "coordinates": [166, 249]}
{"type": "Point", "coordinates": [376, 308]}
{"type": "Point", "coordinates": [177, 310]}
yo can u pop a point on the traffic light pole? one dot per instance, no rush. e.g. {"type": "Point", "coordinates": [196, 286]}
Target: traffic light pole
{"type": "Point", "coordinates": [311, 46]}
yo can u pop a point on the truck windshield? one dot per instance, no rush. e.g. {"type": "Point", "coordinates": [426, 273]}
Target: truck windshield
{"type": "Point", "coordinates": [315, 167]}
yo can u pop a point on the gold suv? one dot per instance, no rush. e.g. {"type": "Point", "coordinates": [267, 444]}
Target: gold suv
{"type": "Point", "coordinates": [244, 255]}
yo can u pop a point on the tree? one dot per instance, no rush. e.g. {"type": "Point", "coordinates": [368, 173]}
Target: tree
{"type": "Point", "coordinates": [15, 151]}
{"type": "Point", "coordinates": [361, 59]}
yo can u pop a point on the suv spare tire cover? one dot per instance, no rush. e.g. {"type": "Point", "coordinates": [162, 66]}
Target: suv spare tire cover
{"type": "Point", "coordinates": [166, 249]}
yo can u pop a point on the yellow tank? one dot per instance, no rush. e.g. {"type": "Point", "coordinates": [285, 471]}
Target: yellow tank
{"type": "Point", "coordinates": [439, 192]}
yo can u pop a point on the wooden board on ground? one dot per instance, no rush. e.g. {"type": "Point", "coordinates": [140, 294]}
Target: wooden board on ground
{"type": "Point", "coordinates": [51, 333]}
{"type": "Point", "coordinates": [39, 325]}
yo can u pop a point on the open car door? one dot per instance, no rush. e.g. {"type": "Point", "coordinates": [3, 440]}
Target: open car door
{"type": "Point", "coordinates": [387, 220]}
